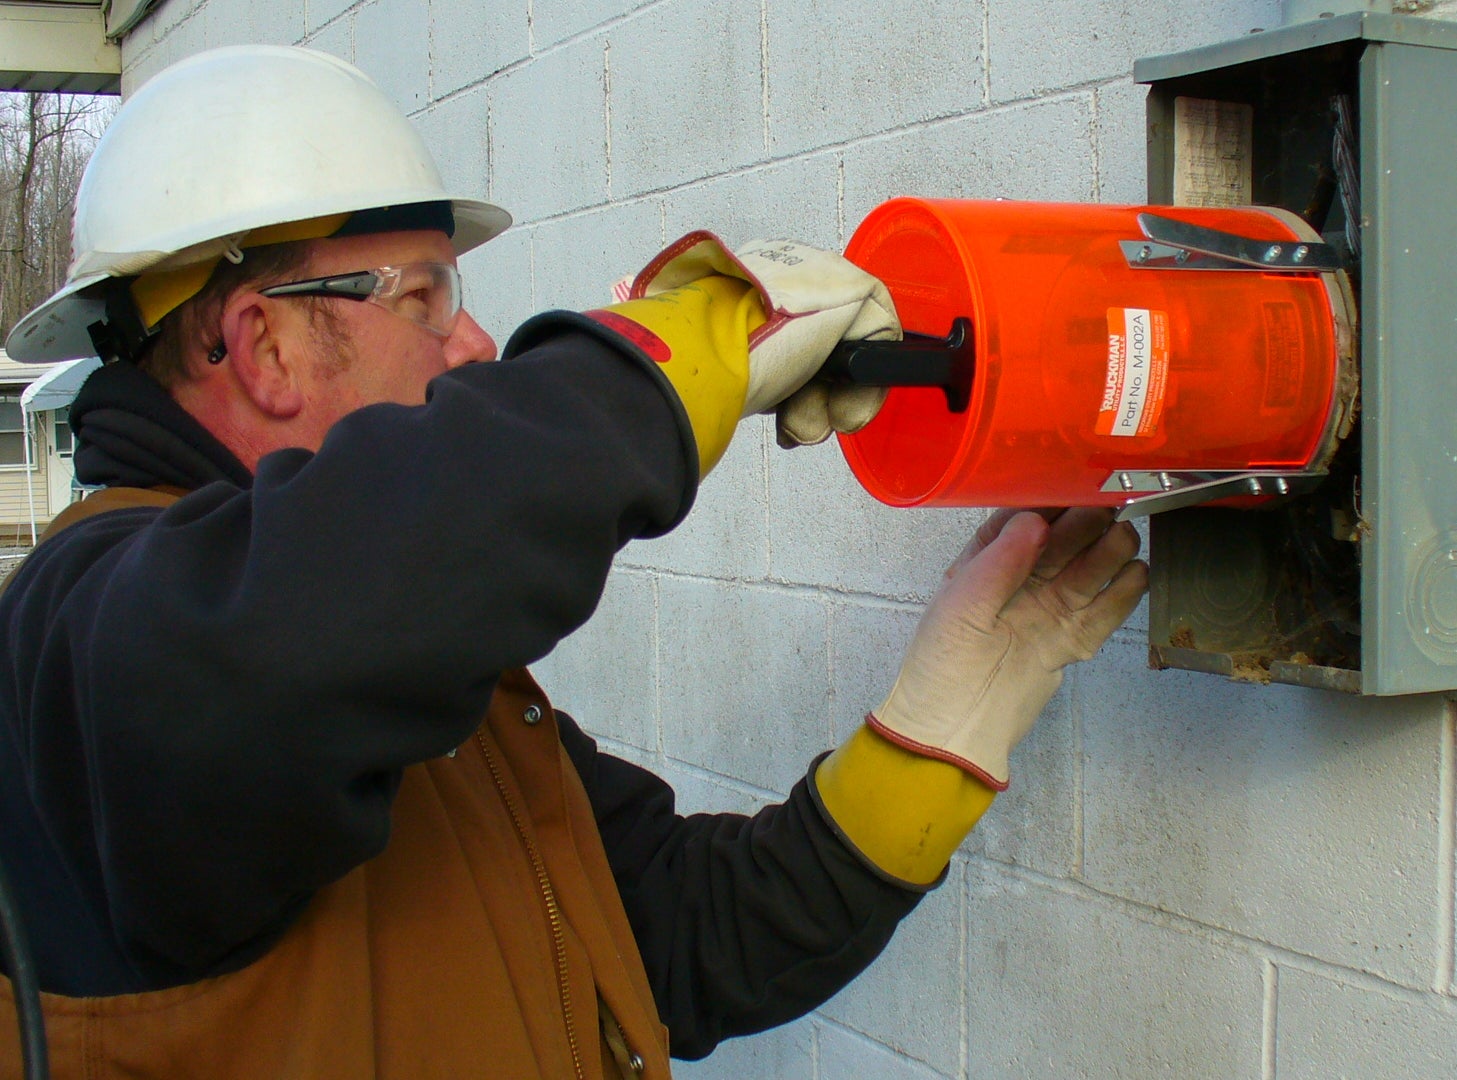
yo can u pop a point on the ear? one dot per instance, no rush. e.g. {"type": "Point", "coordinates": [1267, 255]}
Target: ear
{"type": "Point", "coordinates": [266, 352]}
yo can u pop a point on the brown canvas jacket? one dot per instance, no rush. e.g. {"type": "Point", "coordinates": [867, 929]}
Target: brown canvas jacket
{"type": "Point", "coordinates": [487, 940]}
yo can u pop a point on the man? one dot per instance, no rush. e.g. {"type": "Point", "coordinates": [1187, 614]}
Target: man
{"type": "Point", "coordinates": [278, 797]}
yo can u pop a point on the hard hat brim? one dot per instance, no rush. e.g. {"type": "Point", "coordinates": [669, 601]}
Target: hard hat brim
{"type": "Point", "coordinates": [475, 223]}
{"type": "Point", "coordinates": [57, 329]}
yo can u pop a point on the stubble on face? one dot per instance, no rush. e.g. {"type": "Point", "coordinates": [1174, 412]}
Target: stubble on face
{"type": "Point", "coordinates": [334, 350]}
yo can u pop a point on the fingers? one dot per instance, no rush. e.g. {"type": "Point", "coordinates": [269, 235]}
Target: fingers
{"type": "Point", "coordinates": [803, 418]}
{"type": "Point", "coordinates": [1079, 552]}
{"type": "Point", "coordinates": [993, 526]}
{"type": "Point", "coordinates": [983, 580]}
{"type": "Point", "coordinates": [1073, 530]}
{"type": "Point", "coordinates": [820, 408]}
{"type": "Point", "coordinates": [1111, 608]}
{"type": "Point", "coordinates": [851, 407]}
{"type": "Point", "coordinates": [1083, 579]}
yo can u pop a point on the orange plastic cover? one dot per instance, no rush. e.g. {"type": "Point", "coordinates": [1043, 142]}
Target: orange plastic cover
{"type": "Point", "coordinates": [1086, 366]}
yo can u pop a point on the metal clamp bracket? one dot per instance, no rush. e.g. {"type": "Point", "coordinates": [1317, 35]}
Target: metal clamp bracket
{"type": "Point", "coordinates": [1178, 245]}
{"type": "Point", "coordinates": [1172, 490]}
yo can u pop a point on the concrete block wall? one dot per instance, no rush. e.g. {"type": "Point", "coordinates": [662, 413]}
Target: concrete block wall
{"type": "Point", "coordinates": [1189, 878]}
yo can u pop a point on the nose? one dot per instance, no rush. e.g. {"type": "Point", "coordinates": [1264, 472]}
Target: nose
{"type": "Point", "coordinates": [468, 343]}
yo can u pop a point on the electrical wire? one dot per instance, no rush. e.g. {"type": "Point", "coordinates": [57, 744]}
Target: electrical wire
{"type": "Point", "coordinates": [1348, 170]}
{"type": "Point", "coordinates": [16, 953]}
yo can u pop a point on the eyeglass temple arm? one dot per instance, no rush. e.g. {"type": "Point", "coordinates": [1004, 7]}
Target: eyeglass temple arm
{"type": "Point", "coordinates": [358, 286]}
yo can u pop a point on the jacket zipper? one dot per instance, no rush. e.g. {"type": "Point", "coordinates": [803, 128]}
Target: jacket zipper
{"type": "Point", "coordinates": [548, 895]}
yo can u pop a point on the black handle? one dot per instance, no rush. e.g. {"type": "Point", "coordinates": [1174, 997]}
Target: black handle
{"type": "Point", "coordinates": [918, 360]}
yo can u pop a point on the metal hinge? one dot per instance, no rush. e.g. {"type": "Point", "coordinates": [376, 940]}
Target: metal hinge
{"type": "Point", "coordinates": [1178, 245]}
{"type": "Point", "coordinates": [1171, 489]}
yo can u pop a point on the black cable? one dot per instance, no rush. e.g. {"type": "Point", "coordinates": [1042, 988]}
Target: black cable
{"type": "Point", "coordinates": [16, 953]}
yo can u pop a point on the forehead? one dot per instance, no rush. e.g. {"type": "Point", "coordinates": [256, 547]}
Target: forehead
{"type": "Point", "coordinates": [349, 253]}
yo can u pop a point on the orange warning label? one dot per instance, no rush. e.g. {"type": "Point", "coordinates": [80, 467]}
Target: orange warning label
{"type": "Point", "coordinates": [1138, 368]}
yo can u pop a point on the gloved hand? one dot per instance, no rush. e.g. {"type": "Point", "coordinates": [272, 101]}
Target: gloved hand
{"type": "Point", "coordinates": [1024, 599]}
{"type": "Point", "coordinates": [786, 306]}
{"type": "Point", "coordinates": [814, 300]}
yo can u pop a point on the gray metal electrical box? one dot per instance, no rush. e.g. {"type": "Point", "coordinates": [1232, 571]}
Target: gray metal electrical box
{"type": "Point", "coordinates": [1351, 122]}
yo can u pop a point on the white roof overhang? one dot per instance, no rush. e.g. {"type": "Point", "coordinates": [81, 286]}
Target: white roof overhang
{"type": "Point", "coordinates": [66, 45]}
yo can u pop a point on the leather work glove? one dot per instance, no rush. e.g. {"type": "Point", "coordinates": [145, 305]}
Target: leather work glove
{"type": "Point", "coordinates": [814, 300]}
{"type": "Point", "coordinates": [1024, 600]}
{"type": "Point", "coordinates": [739, 334]}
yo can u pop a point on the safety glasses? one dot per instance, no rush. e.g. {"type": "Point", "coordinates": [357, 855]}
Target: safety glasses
{"type": "Point", "coordinates": [427, 293]}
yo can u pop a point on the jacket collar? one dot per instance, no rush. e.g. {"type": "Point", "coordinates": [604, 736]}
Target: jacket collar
{"type": "Point", "coordinates": [130, 431]}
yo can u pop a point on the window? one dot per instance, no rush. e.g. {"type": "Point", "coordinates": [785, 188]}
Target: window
{"type": "Point", "coordinates": [65, 440]}
{"type": "Point", "coordinates": [12, 431]}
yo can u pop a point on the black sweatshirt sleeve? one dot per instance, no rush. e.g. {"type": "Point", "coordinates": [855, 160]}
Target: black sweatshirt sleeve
{"type": "Point", "coordinates": [211, 705]}
{"type": "Point", "coordinates": [744, 923]}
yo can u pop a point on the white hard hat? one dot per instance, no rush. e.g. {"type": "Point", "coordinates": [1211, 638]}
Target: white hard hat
{"type": "Point", "coordinates": [223, 143]}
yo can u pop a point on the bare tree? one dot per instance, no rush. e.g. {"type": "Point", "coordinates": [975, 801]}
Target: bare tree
{"type": "Point", "coordinates": [45, 141]}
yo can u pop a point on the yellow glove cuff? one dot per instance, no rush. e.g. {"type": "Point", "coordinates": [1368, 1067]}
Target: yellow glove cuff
{"type": "Point", "coordinates": [906, 813]}
{"type": "Point", "coordinates": [698, 334]}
